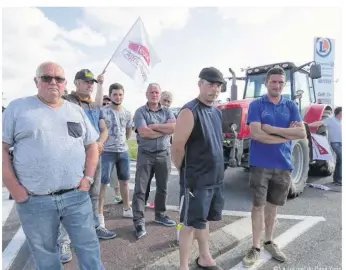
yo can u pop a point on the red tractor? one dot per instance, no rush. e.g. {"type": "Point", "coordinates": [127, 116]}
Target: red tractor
{"type": "Point", "coordinates": [300, 88]}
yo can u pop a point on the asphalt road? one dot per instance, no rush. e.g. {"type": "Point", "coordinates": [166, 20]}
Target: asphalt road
{"type": "Point", "coordinates": [319, 247]}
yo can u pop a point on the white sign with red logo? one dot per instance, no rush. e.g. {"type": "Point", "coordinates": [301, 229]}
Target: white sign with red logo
{"type": "Point", "coordinates": [321, 149]}
{"type": "Point", "coordinates": [324, 54]}
{"type": "Point", "coordinates": [135, 55]}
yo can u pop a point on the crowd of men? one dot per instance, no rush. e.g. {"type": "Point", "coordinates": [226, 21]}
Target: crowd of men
{"type": "Point", "coordinates": [68, 148]}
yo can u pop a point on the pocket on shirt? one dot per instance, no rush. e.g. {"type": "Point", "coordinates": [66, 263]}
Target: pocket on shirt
{"type": "Point", "coordinates": [74, 129]}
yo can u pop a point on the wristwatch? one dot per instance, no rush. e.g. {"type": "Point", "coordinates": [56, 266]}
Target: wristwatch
{"type": "Point", "coordinates": [90, 179]}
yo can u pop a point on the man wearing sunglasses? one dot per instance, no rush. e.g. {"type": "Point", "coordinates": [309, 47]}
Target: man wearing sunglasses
{"type": "Point", "coordinates": [53, 166]}
{"type": "Point", "coordinates": [84, 82]}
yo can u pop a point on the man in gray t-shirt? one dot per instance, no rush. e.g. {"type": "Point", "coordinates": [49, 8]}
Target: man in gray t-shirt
{"type": "Point", "coordinates": [116, 156]}
{"type": "Point", "coordinates": [54, 160]}
{"type": "Point", "coordinates": [154, 125]}
{"type": "Point", "coordinates": [333, 125]}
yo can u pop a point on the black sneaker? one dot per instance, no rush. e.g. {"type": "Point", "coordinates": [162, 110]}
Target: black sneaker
{"type": "Point", "coordinates": [165, 220]}
{"type": "Point", "coordinates": [140, 231]}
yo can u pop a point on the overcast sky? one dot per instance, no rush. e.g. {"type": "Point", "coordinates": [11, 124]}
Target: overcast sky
{"type": "Point", "coordinates": [185, 39]}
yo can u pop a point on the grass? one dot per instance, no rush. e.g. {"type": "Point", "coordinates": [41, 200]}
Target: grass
{"type": "Point", "coordinates": [132, 148]}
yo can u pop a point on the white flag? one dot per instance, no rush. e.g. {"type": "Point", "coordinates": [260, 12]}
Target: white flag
{"type": "Point", "coordinates": [321, 149]}
{"type": "Point", "coordinates": [135, 55]}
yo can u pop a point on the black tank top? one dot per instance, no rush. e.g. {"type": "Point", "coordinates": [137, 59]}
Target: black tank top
{"type": "Point", "coordinates": [203, 164]}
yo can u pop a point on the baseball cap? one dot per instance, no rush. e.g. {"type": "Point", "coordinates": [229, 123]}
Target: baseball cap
{"type": "Point", "coordinates": [212, 75]}
{"type": "Point", "coordinates": [85, 75]}
{"type": "Point", "coordinates": [106, 97]}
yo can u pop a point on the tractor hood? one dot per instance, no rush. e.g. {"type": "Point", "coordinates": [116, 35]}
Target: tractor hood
{"type": "Point", "coordinates": [235, 112]}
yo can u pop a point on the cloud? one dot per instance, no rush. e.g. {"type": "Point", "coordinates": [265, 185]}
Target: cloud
{"type": "Point", "coordinates": [85, 36]}
{"type": "Point", "coordinates": [115, 22]}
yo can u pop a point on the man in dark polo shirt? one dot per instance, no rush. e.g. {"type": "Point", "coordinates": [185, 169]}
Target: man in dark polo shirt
{"type": "Point", "coordinates": [197, 153]}
{"type": "Point", "coordinates": [274, 121]}
{"type": "Point", "coordinates": [154, 124]}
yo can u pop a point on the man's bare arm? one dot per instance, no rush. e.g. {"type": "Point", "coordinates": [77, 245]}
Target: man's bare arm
{"type": "Point", "coordinates": [9, 178]}
{"type": "Point", "coordinates": [316, 124]}
{"type": "Point", "coordinates": [295, 131]}
{"type": "Point", "coordinates": [99, 92]}
{"type": "Point", "coordinates": [148, 133]}
{"type": "Point", "coordinates": [258, 134]}
{"type": "Point", "coordinates": [103, 131]}
{"type": "Point", "coordinates": [92, 159]}
{"type": "Point", "coordinates": [183, 129]}
{"type": "Point", "coordinates": [128, 133]}
{"type": "Point", "coordinates": [167, 128]}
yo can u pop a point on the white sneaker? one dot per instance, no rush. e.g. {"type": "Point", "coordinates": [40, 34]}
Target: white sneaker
{"type": "Point", "coordinates": [102, 221]}
{"type": "Point", "coordinates": [128, 213]}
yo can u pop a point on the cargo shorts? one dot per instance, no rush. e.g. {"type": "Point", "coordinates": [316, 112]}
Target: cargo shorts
{"type": "Point", "coordinates": [269, 185]}
{"type": "Point", "coordinates": [201, 205]}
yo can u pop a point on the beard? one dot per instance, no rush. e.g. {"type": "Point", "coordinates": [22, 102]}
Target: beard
{"type": "Point", "coordinates": [116, 103]}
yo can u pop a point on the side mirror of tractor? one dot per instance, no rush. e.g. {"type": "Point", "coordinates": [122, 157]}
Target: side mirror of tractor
{"type": "Point", "coordinates": [315, 71]}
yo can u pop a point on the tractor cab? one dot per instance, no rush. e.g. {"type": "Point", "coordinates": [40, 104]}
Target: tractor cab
{"type": "Point", "coordinates": [299, 82]}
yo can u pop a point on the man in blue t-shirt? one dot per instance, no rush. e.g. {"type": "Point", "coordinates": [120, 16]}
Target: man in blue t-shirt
{"type": "Point", "coordinates": [274, 121]}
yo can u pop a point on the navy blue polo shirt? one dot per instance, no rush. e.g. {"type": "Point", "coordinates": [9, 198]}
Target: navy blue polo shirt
{"type": "Point", "coordinates": [262, 110]}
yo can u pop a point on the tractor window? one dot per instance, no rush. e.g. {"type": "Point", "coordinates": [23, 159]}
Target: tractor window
{"type": "Point", "coordinates": [255, 87]}
{"type": "Point", "coordinates": [301, 83]}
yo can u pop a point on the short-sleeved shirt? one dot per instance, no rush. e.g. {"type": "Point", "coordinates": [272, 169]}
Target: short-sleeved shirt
{"type": "Point", "coordinates": [49, 143]}
{"type": "Point", "coordinates": [203, 163]}
{"type": "Point", "coordinates": [93, 112]}
{"type": "Point", "coordinates": [333, 125]}
{"type": "Point", "coordinates": [144, 117]}
{"type": "Point", "coordinates": [262, 110]}
{"type": "Point", "coordinates": [117, 122]}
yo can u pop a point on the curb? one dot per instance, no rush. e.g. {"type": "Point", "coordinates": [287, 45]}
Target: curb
{"type": "Point", "coordinates": [220, 242]}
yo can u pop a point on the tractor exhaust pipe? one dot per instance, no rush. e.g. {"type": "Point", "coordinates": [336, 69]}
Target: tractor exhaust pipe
{"type": "Point", "coordinates": [234, 87]}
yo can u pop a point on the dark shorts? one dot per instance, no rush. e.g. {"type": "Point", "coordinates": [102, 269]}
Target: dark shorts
{"type": "Point", "coordinates": [205, 205]}
{"type": "Point", "coordinates": [119, 160]}
{"type": "Point", "coordinates": [269, 185]}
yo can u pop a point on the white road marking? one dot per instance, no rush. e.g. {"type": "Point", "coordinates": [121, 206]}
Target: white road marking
{"type": "Point", "coordinates": [284, 239]}
{"type": "Point", "coordinates": [12, 249]}
{"type": "Point", "coordinates": [239, 229]}
{"type": "Point", "coordinates": [7, 205]}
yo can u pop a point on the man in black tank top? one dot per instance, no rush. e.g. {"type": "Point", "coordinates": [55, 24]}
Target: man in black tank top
{"type": "Point", "coordinates": [197, 152]}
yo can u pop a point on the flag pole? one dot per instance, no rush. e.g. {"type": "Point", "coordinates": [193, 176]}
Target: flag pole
{"type": "Point", "coordinates": [104, 70]}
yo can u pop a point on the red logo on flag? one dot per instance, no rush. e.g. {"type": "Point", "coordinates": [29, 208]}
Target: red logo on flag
{"type": "Point", "coordinates": [320, 148]}
{"type": "Point", "coordinates": [140, 49]}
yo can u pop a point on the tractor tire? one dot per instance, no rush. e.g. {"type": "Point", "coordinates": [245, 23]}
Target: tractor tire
{"type": "Point", "coordinates": [321, 167]}
{"type": "Point", "coordinates": [300, 162]}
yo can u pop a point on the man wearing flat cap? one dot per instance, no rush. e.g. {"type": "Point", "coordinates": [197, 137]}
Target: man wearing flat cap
{"type": "Point", "coordinates": [197, 152]}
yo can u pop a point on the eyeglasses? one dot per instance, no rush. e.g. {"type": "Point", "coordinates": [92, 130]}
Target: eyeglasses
{"type": "Point", "coordinates": [48, 79]}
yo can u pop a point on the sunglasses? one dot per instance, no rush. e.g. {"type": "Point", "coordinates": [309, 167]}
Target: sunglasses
{"type": "Point", "coordinates": [48, 79]}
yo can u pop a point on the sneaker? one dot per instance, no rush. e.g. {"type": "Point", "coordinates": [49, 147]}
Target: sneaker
{"type": "Point", "coordinates": [118, 199]}
{"type": "Point", "coordinates": [103, 233]}
{"type": "Point", "coordinates": [151, 205]}
{"type": "Point", "coordinates": [251, 257]}
{"type": "Point", "coordinates": [274, 250]}
{"type": "Point", "coordinates": [165, 220]}
{"type": "Point", "coordinates": [140, 231]}
{"type": "Point", "coordinates": [65, 252]}
{"type": "Point", "coordinates": [128, 213]}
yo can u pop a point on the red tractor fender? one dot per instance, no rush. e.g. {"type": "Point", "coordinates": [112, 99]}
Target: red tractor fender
{"type": "Point", "coordinates": [314, 113]}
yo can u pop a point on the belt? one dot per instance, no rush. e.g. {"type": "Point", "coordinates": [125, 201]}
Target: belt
{"type": "Point", "coordinates": [61, 191]}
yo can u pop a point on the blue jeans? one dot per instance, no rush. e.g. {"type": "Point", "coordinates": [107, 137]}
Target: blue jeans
{"type": "Point", "coordinates": [40, 217]}
{"type": "Point", "coordinates": [337, 147]}
{"type": "Point", "coordinates": [94, 193]}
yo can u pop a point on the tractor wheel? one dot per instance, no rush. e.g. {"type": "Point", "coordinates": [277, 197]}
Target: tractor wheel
{"type": "Point", "coordinates": [300, 162]}
{"type": "Point", "coordinates": [322, 167]}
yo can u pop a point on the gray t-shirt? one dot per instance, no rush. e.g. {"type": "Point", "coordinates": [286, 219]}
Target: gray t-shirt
{"type": "Point", "coordinates": [49, 143]}
{"type": "Point", "coordinates": [333, 125]}
{"type": "Point", "coordinates": [144, 117]}
{"type": "Point", "coordinates": [117, 122]}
